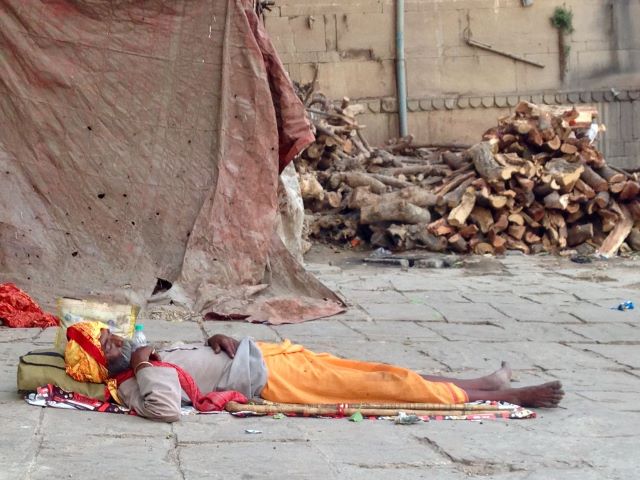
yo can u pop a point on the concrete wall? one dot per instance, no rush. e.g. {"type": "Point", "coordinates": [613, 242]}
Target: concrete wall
{"type": "Point", "coordinates": [456, 90]}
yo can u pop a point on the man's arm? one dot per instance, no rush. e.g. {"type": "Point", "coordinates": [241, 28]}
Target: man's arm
{"type": "Point", "coordinates": [156, 393]}
{"type": "Point", "coordinates": [222, 343]}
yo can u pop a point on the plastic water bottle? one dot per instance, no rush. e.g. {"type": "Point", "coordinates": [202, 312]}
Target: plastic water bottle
{"type": "Point", "coordinates": [139, 338]}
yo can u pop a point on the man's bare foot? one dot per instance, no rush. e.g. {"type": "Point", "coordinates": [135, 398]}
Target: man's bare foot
{"type": "Point", "coordinates": [498, 380]}
{"type": "Point", "coordinates": [547, 395]}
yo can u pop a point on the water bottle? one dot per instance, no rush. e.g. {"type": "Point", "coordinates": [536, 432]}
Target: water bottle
{"type": "Point", "coordinates": [139, 338]}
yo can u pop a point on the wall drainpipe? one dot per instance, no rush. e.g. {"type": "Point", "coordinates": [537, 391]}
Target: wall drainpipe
{"type": "Point", "coordinates": [401, 77]}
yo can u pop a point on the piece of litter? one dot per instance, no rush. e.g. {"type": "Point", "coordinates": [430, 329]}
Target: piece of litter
{"type": "Point", "coordinates": [628, 305]}
{"type": "Point", "coordinates": [356, 417]}
{"type": "Point", "coordinates": [404, 419]}
{"type": "Point", "coordinates": [278, 416]}
{"type": "Point", "coordinates": [248, 430]}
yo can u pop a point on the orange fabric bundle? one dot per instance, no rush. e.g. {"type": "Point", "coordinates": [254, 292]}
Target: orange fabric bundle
{"type": "Point", "coordinates": [18, 310]}
{"type": "Point", "coordinates": [297, 375]}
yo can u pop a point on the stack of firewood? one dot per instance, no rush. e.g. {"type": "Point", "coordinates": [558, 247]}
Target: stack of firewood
{"type": "Point", "coordinates": [535, 183]}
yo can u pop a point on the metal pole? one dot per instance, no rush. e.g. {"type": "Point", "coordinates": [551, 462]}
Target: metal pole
{"type": "Point", "coordinates": [401, 77]}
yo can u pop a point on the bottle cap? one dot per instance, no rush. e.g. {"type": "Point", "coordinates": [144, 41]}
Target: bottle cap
{"type": "Point", "coordinates": [139, 327]}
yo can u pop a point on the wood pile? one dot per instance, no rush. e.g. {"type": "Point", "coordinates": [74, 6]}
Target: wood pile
{"type": "Point", "coordinates": [535, 183]}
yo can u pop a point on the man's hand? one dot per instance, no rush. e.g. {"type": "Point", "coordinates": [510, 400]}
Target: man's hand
{"type": "Point", "coordinates": [222, 343]}
{"type": "Point", "coordinates": [143, 354]}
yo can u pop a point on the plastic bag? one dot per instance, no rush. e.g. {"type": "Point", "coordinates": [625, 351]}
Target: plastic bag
{"type": "Point", "coordinates": [121, 319]}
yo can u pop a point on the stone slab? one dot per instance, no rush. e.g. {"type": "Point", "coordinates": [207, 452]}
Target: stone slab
{"type": "Point", "coordinates": [409, 312]}
{"type": "Point", "coordinates": [397, 331]}
{"type": "Point", "coordinates": [225, 460]}
{"type": "Point", "coordinates": [628, 355]}
{"type": "Point", "coordinates": [608, 332]}
{"type": "Point", "coordinates": [239, 329]}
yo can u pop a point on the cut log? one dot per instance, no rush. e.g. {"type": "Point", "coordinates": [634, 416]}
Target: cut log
{"type": "Point", "coordinates": [498, 242]}
{"type": "Point", "coordinates": [397, 211]}
{"type": "Point", "coordinates": [634, 209]}
{"type": "Point", "coordinates": [482, 217]}
{"type": "Point", "coordinates": [310, 188]}
{"type": "Point", "coordinates": [361, 197]}
{"type": "Point", "coordinates": [634, 239]}
{"type": "Point", "coordinates": [454, 160]}
{"type": "Point", "coordinates": [517, 231]}
{"type": "Point", "coordinates": [552, 145]}
{"type": "Point", "coordinates": [502, 223]}
{"type": "Point", "coordinates": [595, 181]}
{"type": "Point", "coordinates": [600, 201]}
{"type": "Point", "coordinates": [531, 238]}
{"type": "Point", "coordinates": [578, 234]}
{"type": "Point", "coordinates": [483, 248]}
{"type": "Point", "coordinates": [458, 216]}
{"type": "Point", "coordinates": [566, 174]}
{"type": "Point", "coordinates": [611, 175]}
{"type": "Point", "coordinates": [414, 195]}
{"type": "Point", "coordinates": [453, 182]}
{"type": "Point", "coordinates": [430, 242]}
{"type": "Point", "coordinates": [357, 179]}
{"type": "Point", "coordinates": [440, 227]}
{"type": "Point", "coordinates": [609, 218]}
{"type": "Point", "coordinates": [516, 219]}
{"type": "Point", "coordinates": [482, 157]}
{"type": "Point", "coordinates": [585, 188]}
{"type": "Point", "coordinates": [534, 137]}
{"type": "Point", "coordinates": [391, 181]}
{"type": "Point", "coordinates": [557, 201]}
{"type": "Point", "coordinates": [536, 211]}
{"type": "Point", "coordinates": [468, 231]}
{"type": "Point", "coordinates": [454, 197]}
{"type": "Point", "coordinates": [616, 187]}
{"type": "Point", "coordinates": [619, 234]}
{"type": "Point", "coordinates": [630, 191]}
{"type": "Point", "coordinates": [569, 149]}
{"type": "Point", "coordinates": [458, 244]}
{"type": "Point", "coordinates": [574, 217]}
{"type": "Point", "coordinates": [515, 244]}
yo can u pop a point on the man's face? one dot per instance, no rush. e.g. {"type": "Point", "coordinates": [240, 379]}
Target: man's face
{"type": "Point", "coordinates": [117, 351]}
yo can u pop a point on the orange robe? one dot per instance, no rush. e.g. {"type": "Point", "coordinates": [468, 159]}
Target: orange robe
{"type": "Point", "coordinates": [297, 375]}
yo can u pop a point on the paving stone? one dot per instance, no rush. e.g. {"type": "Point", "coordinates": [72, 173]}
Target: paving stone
{"type": "Point", "coordinates": [467, 332]}
{"type": "Point", "coordinates": [388, 446]}
{"type": "Point", "coordinates": [66, 458]}
{"type": "Point", "coordinates": [595, 314]}
{"type": "Point", "coordinates": [223, 427]}
{"type": "Point", "coordinates": [318, 328]}
{"type": "Point", "coordinates": [19, 443]}
{"type": "Point", "coordinates": [397, 331]}
{"type": "Point", "coordinates": [409, 311]}
{"type": "Point", "coordinates": [532, 312]}
{"type": "Point", "coordinates": [440, 297]}
{"type": "Point", "coordinates": [623, 354]}
{"type": "Point", "coordinates": [225, 460]}
{"type": "Point", "coordinates": [167, 332]}
{"type": "Point", "coordinates": [46, 336]}
{"type": "Point", "coordinates": [239, 329]}
{"type": "Point", "coordinates": [580, 380]}
{"type": "Point", "coordinates": [378, 296]}
{"type": "Point", "coordinates": [521, 355]}
{"type": "Point", "coordinates": [608, 332]}
{"type": "Point", "coordinates": [467, 313]}
{"type": "Point", "coordinates": [540, 332]}
{"type": "Point", "coordinates": [13, 334]}
{"type": "Point", "coordinates": [496, 298]}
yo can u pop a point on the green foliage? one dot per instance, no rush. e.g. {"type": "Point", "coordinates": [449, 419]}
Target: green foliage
{"type": "Point", "coordinates": [562, 19]}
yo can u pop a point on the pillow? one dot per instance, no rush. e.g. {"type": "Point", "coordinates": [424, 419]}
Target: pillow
{"type": "Point", "coordinates": [42, 367]}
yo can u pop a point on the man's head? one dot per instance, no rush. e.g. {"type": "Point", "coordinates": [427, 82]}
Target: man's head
{"type": "Point", "coordinates": [94, 354]}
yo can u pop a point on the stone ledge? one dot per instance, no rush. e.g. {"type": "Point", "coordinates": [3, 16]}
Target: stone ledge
{"type": "Point", "coordinates": [427, 104]}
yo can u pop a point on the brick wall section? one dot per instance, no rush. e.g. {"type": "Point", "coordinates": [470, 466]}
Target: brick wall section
{"type": "Point", "coordinates": [455, 90]}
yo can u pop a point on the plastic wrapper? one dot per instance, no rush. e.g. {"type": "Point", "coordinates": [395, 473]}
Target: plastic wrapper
{"type": "Point", "coordinates": [121, 319]}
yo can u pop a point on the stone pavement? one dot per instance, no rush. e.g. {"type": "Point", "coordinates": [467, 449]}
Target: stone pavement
{"type": "Point", "coordinates": [549, 317]}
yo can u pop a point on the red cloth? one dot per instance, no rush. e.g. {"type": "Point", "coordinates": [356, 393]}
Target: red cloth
{"type": "Point", "coordinates": [18, 310]}
{"type": "Point", "coordinates": [210, 402]}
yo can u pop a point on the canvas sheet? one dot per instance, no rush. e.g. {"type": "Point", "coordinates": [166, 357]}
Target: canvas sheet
{"type": "Point", "coordinates": [143, 140]}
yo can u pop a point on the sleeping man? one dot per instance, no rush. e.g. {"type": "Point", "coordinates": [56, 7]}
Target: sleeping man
{"type": "Point", "coordinates": [155, 384]}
